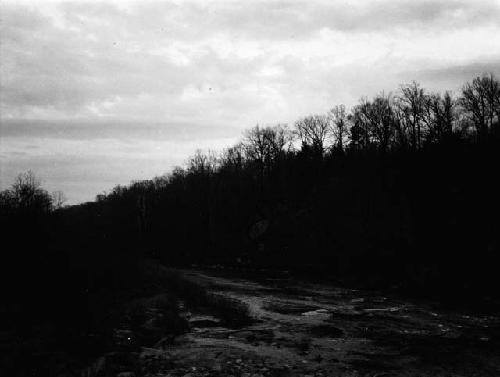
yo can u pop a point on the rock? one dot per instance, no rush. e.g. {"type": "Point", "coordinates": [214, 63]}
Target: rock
{"type": "Point", "coordinates": [318, 358]}
{"type": "Point", "coordinates": [258, 229]}
{"type": "Point", "coordinates": [204, 321]}
{"type": "Point", "coordinates": [315, 312]}
{"type": "Point", "coordinates": [126, 374]}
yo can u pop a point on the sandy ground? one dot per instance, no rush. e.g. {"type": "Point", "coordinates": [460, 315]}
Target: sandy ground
{"type": "Point", "coordinates": [305, 329]}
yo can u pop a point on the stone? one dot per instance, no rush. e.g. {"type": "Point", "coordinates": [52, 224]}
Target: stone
{"type": "Point", "coordinates": [126, 374]}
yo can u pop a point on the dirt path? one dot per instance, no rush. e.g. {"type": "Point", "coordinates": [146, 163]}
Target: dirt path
{"type": "Point", "coordinates": [304, 329]}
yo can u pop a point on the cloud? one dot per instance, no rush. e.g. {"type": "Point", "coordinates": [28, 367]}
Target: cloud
{"type": "Point", "coordinates": [103, 129]}
{"type": "Point", "coordinates": [148, 60]}
{"type": "Point", "coordinates": [447, 76]}
{"type": "Point", "coordinates": [299, 19]}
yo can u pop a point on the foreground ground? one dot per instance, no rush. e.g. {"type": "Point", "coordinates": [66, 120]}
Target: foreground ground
{"type": "Point", "coordinates": [306, 329]}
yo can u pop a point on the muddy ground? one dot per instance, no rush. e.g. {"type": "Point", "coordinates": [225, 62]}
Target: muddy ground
{"type": "Point", "coordinates": [309, 329]}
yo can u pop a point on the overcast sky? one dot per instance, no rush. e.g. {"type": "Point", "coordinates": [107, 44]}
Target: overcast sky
{"type": "Point", "coordinates": [93, 94]}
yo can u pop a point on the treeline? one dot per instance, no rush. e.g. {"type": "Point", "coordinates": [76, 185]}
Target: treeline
{"type": "Point", "coordinates": [401, 190]}
{"type": "Point", "coordinates": [28, 256]}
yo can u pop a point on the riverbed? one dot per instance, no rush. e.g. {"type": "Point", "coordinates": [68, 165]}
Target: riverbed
{"type": "Point", "coordinates": [302, 328]}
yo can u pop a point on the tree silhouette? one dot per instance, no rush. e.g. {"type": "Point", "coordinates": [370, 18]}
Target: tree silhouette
{"type": "Point", "coordinates": [339, 123]}
{"type": "Point", "coordinates": [313, 132]}
{"type": "Point", "coordinates": [481, 101]}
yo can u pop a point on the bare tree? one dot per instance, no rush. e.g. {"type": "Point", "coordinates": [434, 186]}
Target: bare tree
{"type": "Point", "coordinates": [281, 138]}
{"type": "Point", "coordinates": [233, 157]}
{"type": "Point", "coordinates": [382, 120]}
{"type": "Point", "coordinates": [256, 144]}
{"type": "Point", "coordinates": [375, 121]}
{"type": "Point", "coordinates": [313, 132]}
{"type": "Point", "coordinates": [440, 115]}
{"type": "Point", "coordinates": [58, 199]}
{"type": "Point", "coordinates": [412, 102]}
{"type": "Point", "coordinates": [361, 116]}
{"type": "Point", "coordinates": [339, 125]}
{"type": "Point", "coordinates": [359, 132]}
{"type": "Point", "coordinates": [203, 163]}
{"type": "Point", "coordinates": [28, 193]}
{"type": "Point", "coordinates": [481, 100]}
{"type": "Point", "coordinates": [266, 144]}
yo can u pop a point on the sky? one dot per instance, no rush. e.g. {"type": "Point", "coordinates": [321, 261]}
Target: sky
{"type": "Point", "coordinates": [95, 94]}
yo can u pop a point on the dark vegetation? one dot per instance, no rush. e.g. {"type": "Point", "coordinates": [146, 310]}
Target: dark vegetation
{"type": "Point", "coordinates": [400, 191]}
